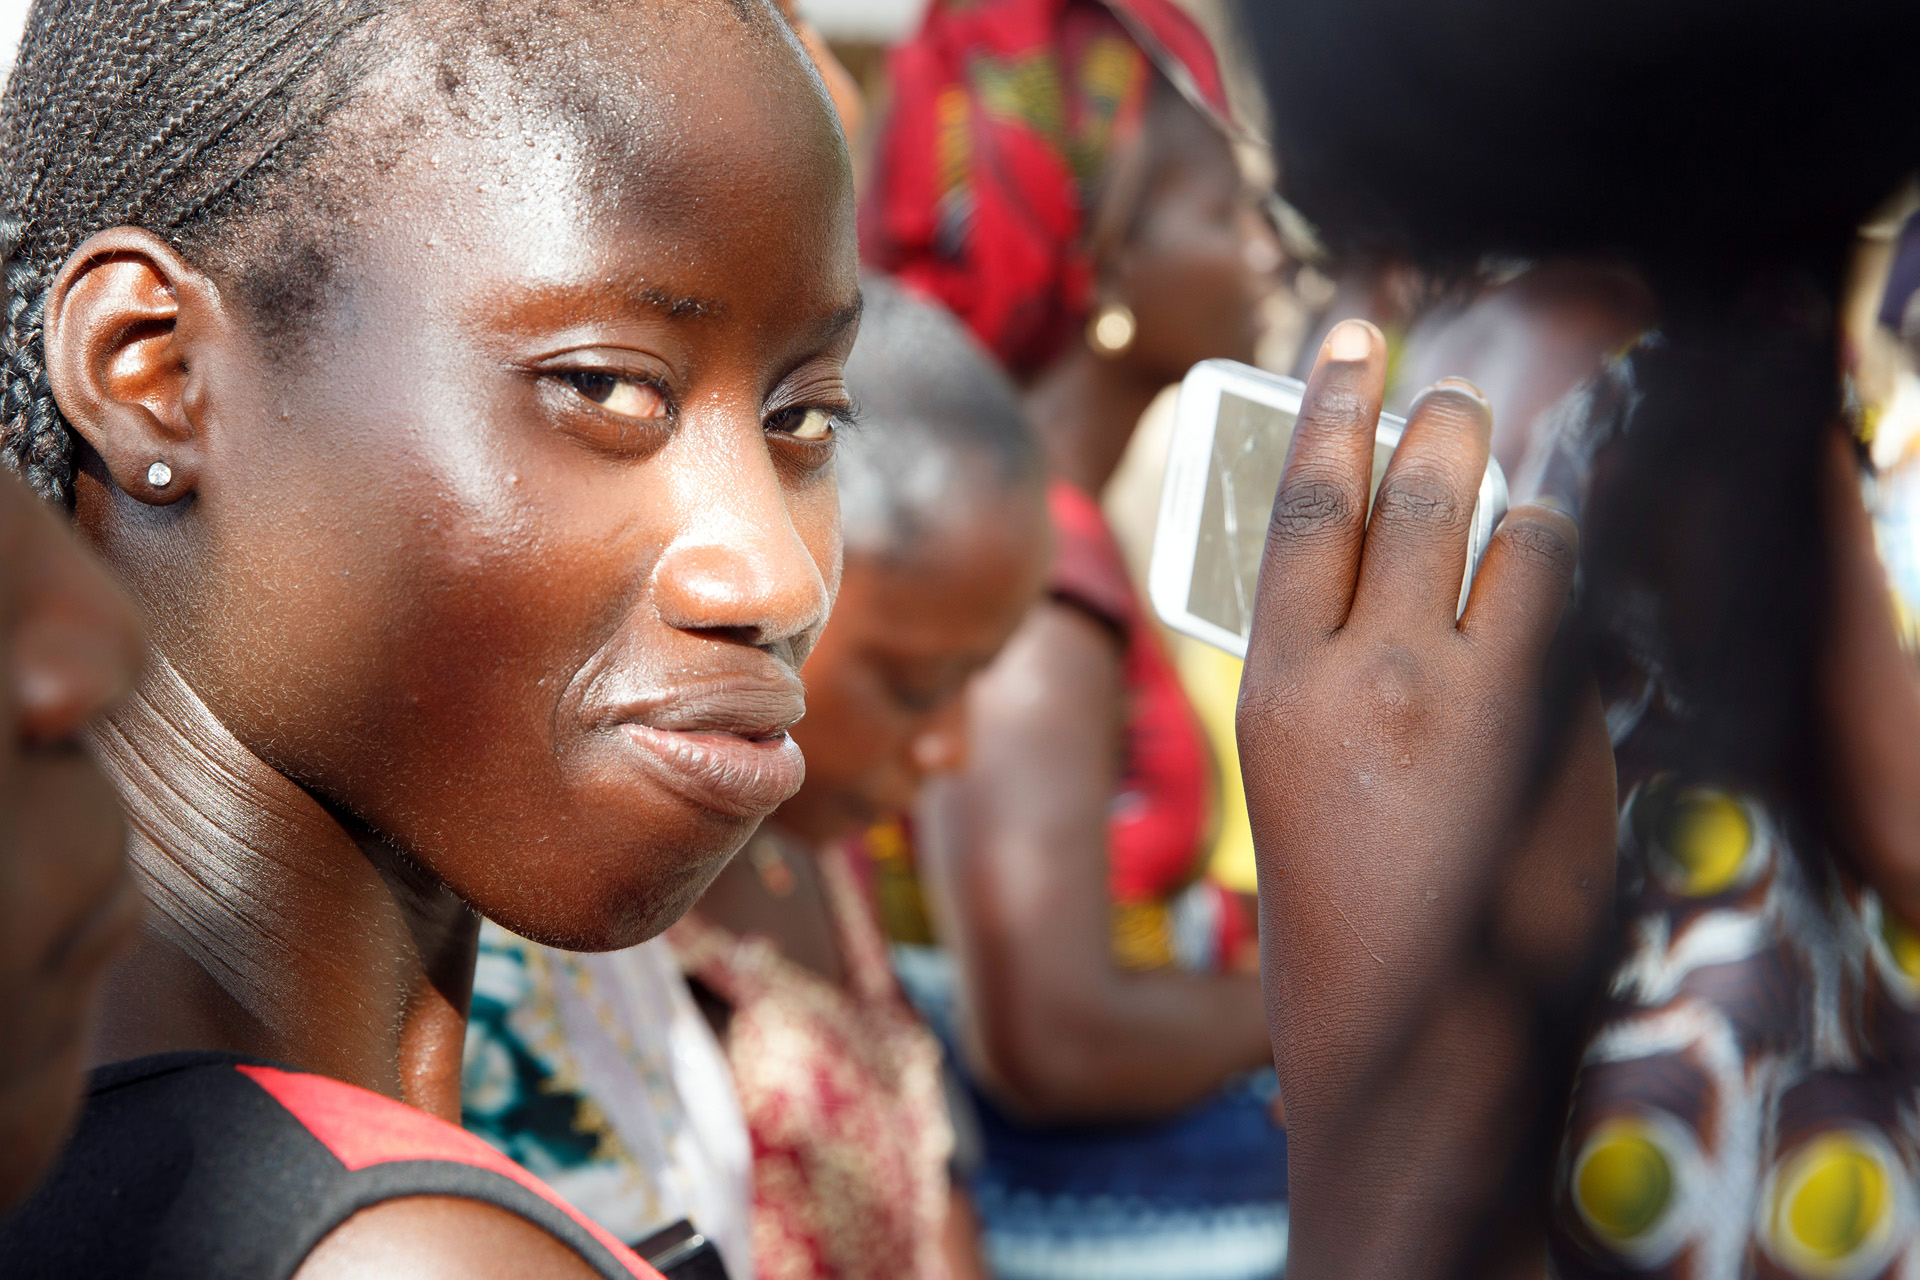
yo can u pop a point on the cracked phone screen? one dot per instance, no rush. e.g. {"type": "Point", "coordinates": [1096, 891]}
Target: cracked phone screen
{"type": "Point", "coordinates": [1250, 442]}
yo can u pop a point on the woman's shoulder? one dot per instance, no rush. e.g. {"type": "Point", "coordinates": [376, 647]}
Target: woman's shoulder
{"type": "Point", "coordinates": [431, 1237]}
{"type": "Point", "coordinates": [216, 1165]}
{"type": "Point", "coordinates": [1088, 570]}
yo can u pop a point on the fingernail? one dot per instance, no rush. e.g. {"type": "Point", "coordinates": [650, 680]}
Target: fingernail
{"type": "Point", "coordinates": [1557, 502]}
{"type": "Point", "coordinates": [1350, 341]}
{"type": "Point", "coordinates": [1463, 386]}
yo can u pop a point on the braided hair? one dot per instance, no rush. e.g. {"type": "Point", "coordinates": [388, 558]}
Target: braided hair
{"type": "Point", "coordinates": [172, 115]}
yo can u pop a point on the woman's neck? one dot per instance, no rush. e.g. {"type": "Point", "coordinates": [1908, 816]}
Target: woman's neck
{"type": "Point", "coordinates": [773, 889]}
{"type": "Point", "coordinates": [1085, 408]}
{"type": "Point", "coordinates": [272, 930]}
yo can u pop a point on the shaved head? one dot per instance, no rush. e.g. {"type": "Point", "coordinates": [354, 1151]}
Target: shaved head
{"type": "Point", "coordinates": [942, 439]}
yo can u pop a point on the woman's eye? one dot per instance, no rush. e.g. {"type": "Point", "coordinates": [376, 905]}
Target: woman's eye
{"type": "Point", "coordinates": [615, 394]}
{"type": "Point", "coordinates": [806, 424]}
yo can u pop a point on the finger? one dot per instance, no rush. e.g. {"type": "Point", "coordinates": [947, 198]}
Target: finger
{"type": "Point", "coordinates": [1320, 513]}
{"type": "Point", "coordinates": [1521, 588]}
{"type": "Point", "coordinates": [76, 641]}
{"type": "Point", "coordinates": [1416, 547]}
{"type": "Point", "coordinates": [1554, 897]}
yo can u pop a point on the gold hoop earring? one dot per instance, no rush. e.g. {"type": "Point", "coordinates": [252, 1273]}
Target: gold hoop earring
{"type": "Point", "coordinates": [1110, 331]}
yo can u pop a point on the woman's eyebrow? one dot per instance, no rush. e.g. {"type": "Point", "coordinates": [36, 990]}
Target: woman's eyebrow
{"type": "Point", "coordinates": [649, 297]}
{"type": "Point", "coordinates": [844, 318]}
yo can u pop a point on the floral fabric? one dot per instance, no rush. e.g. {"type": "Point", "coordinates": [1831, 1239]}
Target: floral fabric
{"type": "Point", "coordinates": [1748, 1104]}
{"type": "Point", "coordinates": [842, 1095]}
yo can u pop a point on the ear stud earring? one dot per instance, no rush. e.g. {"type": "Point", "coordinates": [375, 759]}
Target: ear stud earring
{"type": "Point", "coordinates": [159, 475]}
{"type": "Point", "coordinates": [1111, 330]}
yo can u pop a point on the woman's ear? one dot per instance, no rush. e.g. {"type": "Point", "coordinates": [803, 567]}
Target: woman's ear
{"type": "Point", "coordinates": [122, 319]}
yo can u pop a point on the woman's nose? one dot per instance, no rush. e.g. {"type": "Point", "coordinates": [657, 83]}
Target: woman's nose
{"type": "Point", "coordinates": [739, 565]}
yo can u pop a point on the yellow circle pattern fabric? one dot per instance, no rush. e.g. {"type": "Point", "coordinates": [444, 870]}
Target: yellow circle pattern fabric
{"type": "Point", "coordinates": [1623, 1181]}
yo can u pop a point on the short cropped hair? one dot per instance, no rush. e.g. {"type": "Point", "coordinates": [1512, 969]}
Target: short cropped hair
{"type": "Point", "coordinates": [941, 429]}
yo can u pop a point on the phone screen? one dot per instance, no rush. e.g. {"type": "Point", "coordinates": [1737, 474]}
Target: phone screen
{"type": "Point", "coordinates": [1250, 442]}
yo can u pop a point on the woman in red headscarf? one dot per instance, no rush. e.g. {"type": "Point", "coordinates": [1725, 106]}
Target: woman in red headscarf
{"type": "Point", "coordinates": [1061, 174]}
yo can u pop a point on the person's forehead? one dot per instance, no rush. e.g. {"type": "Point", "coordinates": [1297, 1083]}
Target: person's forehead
{"type": "Point", "coordinates": [956, 569]}
{"type": "Point", "coordinates": [643, 88]}
{"type": "Point", "coordinates": [533, 176]}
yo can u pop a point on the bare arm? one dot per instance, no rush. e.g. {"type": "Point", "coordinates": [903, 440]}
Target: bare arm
{"type": "Point", "coordinates": [960, 1241]}
{"type": "Point", "coordinates": [1871, 690]}
{"type": "Point", "coordinates": [1017, 847]}
{"type": "Point", "coordinates": [441, 1238]}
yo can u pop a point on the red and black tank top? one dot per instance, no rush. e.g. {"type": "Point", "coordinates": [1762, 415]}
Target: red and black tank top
{"type": "Point", "coordinates": [212, 1166]}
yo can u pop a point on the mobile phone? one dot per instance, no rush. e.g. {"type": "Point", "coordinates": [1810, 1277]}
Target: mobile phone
{"type": "Point", "coordinates": [1231, 430]}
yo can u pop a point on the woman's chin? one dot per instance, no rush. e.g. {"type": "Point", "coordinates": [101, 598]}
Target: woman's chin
{"type": "Point", "coordinates": [617, 901]}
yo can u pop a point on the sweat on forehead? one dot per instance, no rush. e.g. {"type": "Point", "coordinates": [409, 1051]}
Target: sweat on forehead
{"type": "Point", "coordinates": [658, 111]}
{"type": "Point", "coordinates": [636, 85]}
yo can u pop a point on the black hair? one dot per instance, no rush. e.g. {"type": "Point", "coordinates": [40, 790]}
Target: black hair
{"type": "Point", "coordinates": [1729, 148]}
{"type": "Point", "coordinates": [151, 113]}
{"type": "Point", "coordinates": [207, 122]}
{"type": "Point", "coordinates": [940, 425]}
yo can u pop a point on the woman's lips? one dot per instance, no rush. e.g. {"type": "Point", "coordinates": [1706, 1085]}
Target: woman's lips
{"type": "Point", "coordinates": [747, 777]}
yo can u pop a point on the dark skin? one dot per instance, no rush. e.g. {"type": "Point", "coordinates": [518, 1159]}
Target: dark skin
{"type": "Point", "coordinates": [69, 647]}
{"type": "Point", "coordinates": [1417, 910]}
{"type": "Point", "coordinates": [504, 505]}
{"type": "Point", "coordinates": [884, 711]}
{"type": "Point", "coordinates": [1528, 342]}
{"type": "Point", "coordinates": [1406, 1096]}
{"type": "Point", "coordinates": [1017, 844]}
{"type": "Point", "coordinates": [1871, 694]}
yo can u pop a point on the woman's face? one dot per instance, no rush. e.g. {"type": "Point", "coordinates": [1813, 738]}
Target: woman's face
{"type": "Point", "coordinates": [883, 689]}
{"type": "Point", "coordinates": [1202, 256]}
{"type": "Point", "coordinates": [511, 553]}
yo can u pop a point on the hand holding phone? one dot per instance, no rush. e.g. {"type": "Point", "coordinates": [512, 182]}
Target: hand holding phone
{"type": "Point", "coordinates": [1232, 430]}
{"type": "Point", "coordinates": [1386, 741]}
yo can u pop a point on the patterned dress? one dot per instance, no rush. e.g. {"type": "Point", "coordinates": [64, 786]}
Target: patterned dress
{"type": "Point", "coordinates": [1747, 1106]}
{"type": "Point", "coordinates": [842, 1093]}
{"type": "Point", "coordinates": [598, 1073]}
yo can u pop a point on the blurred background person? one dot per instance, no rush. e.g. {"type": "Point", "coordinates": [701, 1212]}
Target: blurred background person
{"type": "Point", "coordinates": [1062, 174]}
{"type": "Point", "coordinates": [946, 536]}
{"type": "Point", "coordinates": [1717, 1080]}
{"type": "Point", "coordinates": [1526, 334]}
{"type": "Point", "coordinates": [69, 647]}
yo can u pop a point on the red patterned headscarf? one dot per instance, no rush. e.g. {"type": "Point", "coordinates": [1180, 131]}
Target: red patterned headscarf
{"type": "Point", "coordinates": [1003, 116]}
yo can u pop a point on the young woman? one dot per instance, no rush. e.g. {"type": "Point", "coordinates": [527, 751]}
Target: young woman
{"type": "Point", "coordinates": [946, 530]}
{"type": "Point", "coordinates": [1744, 1092]}
{"type": "Point", "coordinates": [1060, 173]}
{"type": "Point", "coordinates": [453, 387]}
{"type": "Point", "coordinates": [577, 1065]}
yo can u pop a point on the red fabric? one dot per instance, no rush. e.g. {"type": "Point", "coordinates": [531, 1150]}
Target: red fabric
{"type": "Point", "coordinates": [1158, 820]}
{"type": "Point", "coordinates": [362, 1128]}
{"type": "Point", "coordinates": [1002, 116]}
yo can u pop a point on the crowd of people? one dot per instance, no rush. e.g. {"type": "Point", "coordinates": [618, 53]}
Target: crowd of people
{"type": "Point", "coordinates": [576, 703]}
